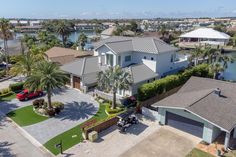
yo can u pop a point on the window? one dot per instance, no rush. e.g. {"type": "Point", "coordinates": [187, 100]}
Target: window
{"type": "Point", "coordinates": [127, 58]}
{"type": "Point", "coordinates": [152, 58]}
{"type": "Point", "coordinates": [148, 81]}
{"type": "Point", "coordinates": [109, 59]}
{"type": "Point", "coordinates": [119, 60]}
{"type": "Point", "coordinates": [144, 57]}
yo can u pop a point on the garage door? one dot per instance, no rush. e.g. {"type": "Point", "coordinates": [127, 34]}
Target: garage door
{"type": "Point", "coordinates": [76, 82]}
{"type": "Point", "coordinates": [185, 124]}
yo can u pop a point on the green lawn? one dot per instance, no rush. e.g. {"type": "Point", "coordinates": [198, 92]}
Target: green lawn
{"type": "Point", "coordinates": [26, 116]}
{"type": "Point", "coordinates": [8, 97]}
{"type": "Point", "coordinates": [72, 136]}
{"type": "Point", "coordinates": [198, 153]}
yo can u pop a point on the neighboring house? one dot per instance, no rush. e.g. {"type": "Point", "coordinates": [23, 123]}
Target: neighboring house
{"type": "Point", "coordinates": [146, 59]}
{"type": "Point", "coordinates": [202, 107]}
{"type": "Point", "coordinates": [204, 36]}
{"type": "Point", "coordinates": [64, 55]}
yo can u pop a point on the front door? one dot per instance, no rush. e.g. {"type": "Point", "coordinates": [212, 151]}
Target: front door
{"type": "Point", "coordinates": [76, 82]}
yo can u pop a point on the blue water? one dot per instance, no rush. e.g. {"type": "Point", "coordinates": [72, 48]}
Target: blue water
{"type": "Point", "coordinates": [230, 72]}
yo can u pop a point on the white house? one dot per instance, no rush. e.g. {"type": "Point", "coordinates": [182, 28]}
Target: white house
{"type": "Point", "coordinates": [205, 36]}
{"type": "Point", "coordinates": [146, 59]}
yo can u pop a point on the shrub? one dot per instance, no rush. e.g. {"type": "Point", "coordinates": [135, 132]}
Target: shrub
{"type": "Point", "coordinates": [160, 86]}
{"type": "Point", "coordinates": [58, 105]}
{"type": "Point", "coordinates": [38, 103]}
{"type": "Point", "coordinates": [2, 73]}
{"type": "Point", "coordinates": [16, 87]}
{"type": "Point", "coordinates": [4, 91]}
{"type": "Point", "coordinates": [109, 110]}
{"type": "Point", "coordinates": [51, 112]}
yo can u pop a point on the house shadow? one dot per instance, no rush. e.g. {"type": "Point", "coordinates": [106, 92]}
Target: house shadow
{"type": "Point", "coordinates": [105, 132]}
{"type": "Point", "coordinates": [5, 151]}
{"type": "Point", "coordinates": [77, 110]}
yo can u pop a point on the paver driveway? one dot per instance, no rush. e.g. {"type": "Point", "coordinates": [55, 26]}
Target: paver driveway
{"type": "Point", "coordinates": [78, 108]}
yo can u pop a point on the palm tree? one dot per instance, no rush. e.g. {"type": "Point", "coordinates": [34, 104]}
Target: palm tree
{"type": "Point", "coordinates": [24, 65]}
{"type": "Point", "coordinates": [46, 76]}
{"type": "Point", "coordinates": [196, 54]}
{"type": "Point", "coordinates": [6, 35]}
{"type": "Point", "coordinates": [225, 59]}
{"type": "Point", "coordinates": [215, 68]}
{"type": "Point", "coordinates": [82, 40]}
{"type": "Point", "coordinates": [64, 30]}
{"type": "Point", "coordinates": [114, 79]}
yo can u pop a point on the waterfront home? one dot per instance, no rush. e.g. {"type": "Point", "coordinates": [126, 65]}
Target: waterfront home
{"type": "Point", "coordinates": [65, 55]}
{"type": "Point", "coordinates": [203, 107]}
{"type": "Point", "coordinates": [204, 36]}
{"type": "Point", "coordinates": [146, 59]}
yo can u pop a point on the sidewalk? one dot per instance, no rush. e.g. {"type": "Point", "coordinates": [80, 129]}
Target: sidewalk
{"type": "Point", "coordinates": [14, 144]}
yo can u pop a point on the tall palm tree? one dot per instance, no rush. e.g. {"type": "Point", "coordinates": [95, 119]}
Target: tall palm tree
{"type": "Point", "coordinates": [64, 30]}
{"type": "Point", "coordinates": [215, 68]}
{"type": "Point", "coordinates": [46, 76]}
{"type": "Point", "coordinates": [225, 59]}
{"type": "Point", "coordinates": [114, 79]}
{"type": "Point", "coordinates": [5, 34]}
{"type": "Point", "coordinates": [82, 40]}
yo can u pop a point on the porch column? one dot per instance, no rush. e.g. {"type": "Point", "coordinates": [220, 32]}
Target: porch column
{"type": "Point", "coordinates": [234, 135]}
{"type": "Point", "coordinates": [227, 138]}
{"type": "Point", "coordinates": [71, 80]}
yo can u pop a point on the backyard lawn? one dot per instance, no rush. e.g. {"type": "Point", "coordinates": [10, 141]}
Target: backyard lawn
{"type": "Point", "coordinates": [26, 116]}
{"type": "Point", "coordinates": [74, 135]}
{"type": "Point", "coordinates": [198, 153]}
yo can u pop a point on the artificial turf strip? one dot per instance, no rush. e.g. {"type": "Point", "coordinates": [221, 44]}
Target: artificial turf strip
{"type": "Point", "coordinates": [198, 153]}
{"type": "Point", "coordinates": [26, 116]}
{"type": "Point", "coordinates": [8, 97]}
{"type": "Point", "coordinates": [72, 136]}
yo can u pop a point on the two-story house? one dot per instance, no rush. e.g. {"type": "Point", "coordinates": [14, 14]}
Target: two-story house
{"type": "Point", "coordinates": [145, 58]}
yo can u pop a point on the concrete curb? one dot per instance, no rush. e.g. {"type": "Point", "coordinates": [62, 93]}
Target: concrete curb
{"type": "Point", "coordinates": [31, 139]}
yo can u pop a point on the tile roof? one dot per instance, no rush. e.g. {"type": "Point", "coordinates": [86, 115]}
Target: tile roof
{"type": "Point", "coordinates": [136, 44]}
{"type": "Point", "coordinates": [198, 96]}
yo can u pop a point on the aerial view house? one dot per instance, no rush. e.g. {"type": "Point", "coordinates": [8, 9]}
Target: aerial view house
{"type": "Point", "coordinates": [202, 107]}
{"type": "Point", "coordinates": [146, 59]}
{"type": "Point", "coordinates": [204, 36]}
{"type": "Point", "coordinates": [65, 55]}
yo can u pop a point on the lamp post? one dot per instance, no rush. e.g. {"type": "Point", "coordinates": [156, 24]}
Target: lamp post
{"type": "Point", "coordinates": [59, 146]}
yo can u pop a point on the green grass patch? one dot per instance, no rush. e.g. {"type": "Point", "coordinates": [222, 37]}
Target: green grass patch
{"type": "Point", "coordinates": [74, 135]}
{"type": "Point", "coordinates": [8, 97]}
{"type": "Point", "coordinates": [26, 116]}
{"type": "Point", "coordinates": [198, 153]}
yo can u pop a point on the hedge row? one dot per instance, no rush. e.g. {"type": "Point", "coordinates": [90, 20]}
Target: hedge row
{"type": "Point", "coordinates": [160, 86]}
{"type": "Point", "coordinates": [16, 86]}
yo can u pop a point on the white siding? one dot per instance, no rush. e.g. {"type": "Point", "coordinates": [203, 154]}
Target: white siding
{"type": "Point", "coordinates": [164, 63]}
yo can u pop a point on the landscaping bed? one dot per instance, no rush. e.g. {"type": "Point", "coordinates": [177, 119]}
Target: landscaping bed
{"type": "Point", "coordinates": [74, 135]}
{"type": "Point", "coordinates": [198, 153]}
{"type": "Point", "coordinates": [26, 116]}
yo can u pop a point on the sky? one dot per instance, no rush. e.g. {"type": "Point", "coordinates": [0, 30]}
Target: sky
{"type": "Point", "coordinates": [89, 9]}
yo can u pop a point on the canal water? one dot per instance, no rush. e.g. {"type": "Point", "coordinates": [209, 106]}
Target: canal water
{"type": "Point", "coordinates": [230, 73]}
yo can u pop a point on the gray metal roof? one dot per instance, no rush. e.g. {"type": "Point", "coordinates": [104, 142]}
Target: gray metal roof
{"type": "Point", "coordinates": [198, 96]}
{"type": "Point", "coordinates": [141, 73]}
{"type": "Point", "coordinates": [82, 66]}
{"type": "Point", "coordinates": [136, 44]}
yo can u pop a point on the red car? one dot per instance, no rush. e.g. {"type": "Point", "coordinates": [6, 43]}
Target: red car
{"type": "Point", "coordinates": [26, 95]}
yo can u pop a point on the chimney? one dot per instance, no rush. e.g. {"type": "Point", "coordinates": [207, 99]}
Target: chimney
{"type": "Point", "coordinates": [218, 91]}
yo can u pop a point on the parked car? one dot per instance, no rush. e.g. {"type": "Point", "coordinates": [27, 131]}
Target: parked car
{"type": "Point", "coordinates": [130, 102]}
{"type": "Point", "coordinates": [26, 95]}
{"type": "Point", "coordinates": [126, 120]}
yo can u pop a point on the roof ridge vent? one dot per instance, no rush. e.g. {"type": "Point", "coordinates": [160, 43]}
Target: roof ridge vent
{"type": "Point", "coordinates": [217, 91]}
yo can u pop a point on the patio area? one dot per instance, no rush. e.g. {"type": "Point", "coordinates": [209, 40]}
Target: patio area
{"type": "Point", "coordinates": [218, 144]}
